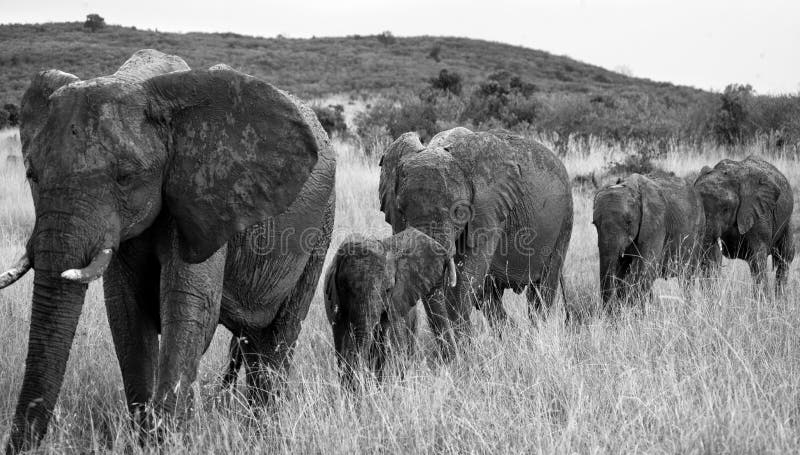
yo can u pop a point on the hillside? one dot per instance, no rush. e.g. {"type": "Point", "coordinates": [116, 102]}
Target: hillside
{"type": "Point", "coordinates": [308, 67]}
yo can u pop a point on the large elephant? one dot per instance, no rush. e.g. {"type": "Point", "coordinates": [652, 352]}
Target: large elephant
{"type": "Point", "coordinates": [648, 227]}
{"type": "Point", "coordinates": [371, 290]}
{"type": "Point", "coordinates": [748, 207]}
{"type": "Point", "coordinates": [500, 204]}
{"type": "Point", "coordinates": [172, 184]}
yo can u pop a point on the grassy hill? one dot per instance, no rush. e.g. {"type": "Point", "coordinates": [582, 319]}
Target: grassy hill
{"type": "Point", "coordinates": [308, 67]}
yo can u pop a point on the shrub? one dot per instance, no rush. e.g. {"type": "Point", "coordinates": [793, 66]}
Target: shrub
{"type": "Point", "coordinates": [396, 118]}
{"type": "Point", "coordinates": [447, 81]}
{"type": "Point", "coordinates": [504, 99]}
{"type": "Point", "coordinates": [12, 114]}
{"type": "Point", "coordinates": [436, 53]}
{"type": "Point", "coordinates": [730, 124]}
{"type": "Point", "coordinates": [640, 162]}
{"type": "Point", "coordinates": [94, 22]}
{"type": "Point", "coordinates": [331, 118]}
{"type": "Point", "coordinates": [386, 38]}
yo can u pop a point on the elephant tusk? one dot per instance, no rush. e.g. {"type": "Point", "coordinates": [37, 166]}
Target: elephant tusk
{"type": "Point", "coordinates": [92, 271]}
{"type": "Point", "coordinates": [10, 276]}
{"type": "Point", "coordinates": [451, 268]}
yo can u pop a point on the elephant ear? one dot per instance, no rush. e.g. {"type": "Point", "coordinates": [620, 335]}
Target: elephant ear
{"type": "Point", "coordinates": [407, 144]}
{"type": "Point", "coordinates": [652, 207]}
{"type": "Point", "coordinates": [331, 291]}
{"type": "Point", "coordinates": [240, 150]}
{"type": "Point", "coordinates": [34, 106]}
{"type": "Point", "coordinates": [758, 196]}
{"type": "Point", "coordinates": [418, 262]}
{"type": "Point", "coordinates": [488, 161]}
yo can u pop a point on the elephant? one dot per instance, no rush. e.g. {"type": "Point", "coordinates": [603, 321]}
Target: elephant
{"type": "Point", "coordinates": [499, 203]}
{"type": "Point", "coordinates": [748, 207]}
{"type": "Point", "coordinates": [171, 184]}
{"type": "Point", "coordinates": [648, 226]}
{"type": "Point", "coordinates": [371, 290]}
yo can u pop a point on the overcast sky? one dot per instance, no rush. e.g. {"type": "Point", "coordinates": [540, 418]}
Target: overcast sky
{"type": "Point", "coordinates": [706, 44]}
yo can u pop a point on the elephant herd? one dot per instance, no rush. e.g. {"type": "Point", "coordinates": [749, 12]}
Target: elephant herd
{"type": "Point", "coordinates": [660, 226]}
{"type": "Point", "coordinates": [206, 197]}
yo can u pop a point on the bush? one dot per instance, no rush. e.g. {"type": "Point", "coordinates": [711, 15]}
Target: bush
{"type": "Point", "coordinates": [11, 115]}
{"type": "Point", "coordinates": [396, 118]}
{"type": "Point", "coordinates": [640, 162]}
{"type": "Point", "coordinates": [94, 22]}
{"type": "Point", "coordinates": [502, 99]}
{"type": "Point", "coordinates": [386, 38]}
{"type": "Point", "coordinates": [730, 124]}
{"type": "Point", "coordinates": [331, 118]}
{"type": "Point", "coordinates": [448, 82]}
{"type": "Point", "coordinates": [436, 53]}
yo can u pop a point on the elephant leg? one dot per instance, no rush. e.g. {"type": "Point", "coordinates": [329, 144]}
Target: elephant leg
{"type": "Point", "coordinates": [492, 305]}
{"type": "Point", "coordinates": [411, 332]}
{"type": "Point", "coordinates": [782, 256]}
{"type": "Point", "coordinates": [191, 295]}
{"type": "Point", "coordinates": [267, 358]}
{"type": "Point", "coordinates": [758, 269]}
{"type": "Point", "coordinates": [131, 297]}
{"type": "Point", "coordinates": [542, 293]}
{"type": "Point", "coordinates": [235, 360]}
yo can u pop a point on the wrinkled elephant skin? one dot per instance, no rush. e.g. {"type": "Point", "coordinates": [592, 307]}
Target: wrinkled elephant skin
{"type": "Point", "coordinates": [171, 183]}
{"type": "Point", "coordinates": [648, 227]}
{"type": "Point", "coordinates": [371, 290]}
{"type": "Point", "coordinates": [748, 207]}
{"type": "Point", "coordinates": [501, 205]}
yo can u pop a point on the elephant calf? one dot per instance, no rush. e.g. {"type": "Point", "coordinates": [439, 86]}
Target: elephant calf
{"type": "Point", "coordinates": [371, 289]}
{"type": "Point", "coordinates": [648, 226]}
{"type": "Point", "coordinates": [748, 207]}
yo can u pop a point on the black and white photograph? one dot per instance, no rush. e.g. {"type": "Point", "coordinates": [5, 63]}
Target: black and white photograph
{"type": "Point", "coordinates": [447, 227]}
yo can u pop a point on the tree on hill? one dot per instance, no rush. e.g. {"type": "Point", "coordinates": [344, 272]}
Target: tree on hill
{"type": "Point", "coordinates": [94, 22]}
{"type": "Point", "coordinates": [447, 81]}
{"type": "Point", "coordinates": [732, 118]}
{"type": "Point", "coordinates": [386, 38]}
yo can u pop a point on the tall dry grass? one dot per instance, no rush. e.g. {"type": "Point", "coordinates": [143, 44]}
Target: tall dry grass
{"type": "Point", "coordinates": [711, 372]}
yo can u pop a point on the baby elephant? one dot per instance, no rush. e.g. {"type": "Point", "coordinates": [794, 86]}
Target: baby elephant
{"type": "Point", "coordinates": [648, 227]}
{"type": "Point", "coordinates": [371, 289]}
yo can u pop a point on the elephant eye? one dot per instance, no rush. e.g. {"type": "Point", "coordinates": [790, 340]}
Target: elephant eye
{"type": "Point", "coordinates": [124, 178]}
{"type": "Point", "coordinates": [31, 175]}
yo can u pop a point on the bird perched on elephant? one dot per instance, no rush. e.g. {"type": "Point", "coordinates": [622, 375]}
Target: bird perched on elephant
{"type": "Point", "coordinates": [648, 226]}
{"type": "Point", "coordinates": [748, 207]}
{"type": "Point", "coordinates": [371, 290]}
{"type": "Point", "coordinates": [500, 204]}
{"type": "Point", "coordinates": [171, 184]}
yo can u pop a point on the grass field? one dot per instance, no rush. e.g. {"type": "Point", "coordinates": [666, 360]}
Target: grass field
{"type": "Point", "coordinates": [714, 373]}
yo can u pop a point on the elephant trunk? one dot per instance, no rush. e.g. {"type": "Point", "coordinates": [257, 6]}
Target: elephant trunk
{"type": "Point", "coordinates": [353, 357]}
{"type": "Point", "coordinates": [611, 257]}
{"type": "Point", "coordinates": [608, 278]}
{"type": "Point", "coordinates": [60, 242]}
{"type": "Point", "coordinates": [56, 309]}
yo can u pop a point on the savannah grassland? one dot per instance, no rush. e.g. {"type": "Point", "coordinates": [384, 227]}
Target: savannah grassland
{"type": "Point", "coordinates": [714, 372]}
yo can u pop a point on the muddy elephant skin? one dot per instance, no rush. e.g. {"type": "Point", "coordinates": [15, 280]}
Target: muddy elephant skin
{"type": "Point", "coordinates": [648, 227]}
{"type": "Point", "coordinates": [501, 205]}
{"type": "Point", "coordinates": [170, 183]}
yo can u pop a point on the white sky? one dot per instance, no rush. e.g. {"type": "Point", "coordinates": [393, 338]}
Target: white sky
{"type": "Point", "coordinates": [706, 44]}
